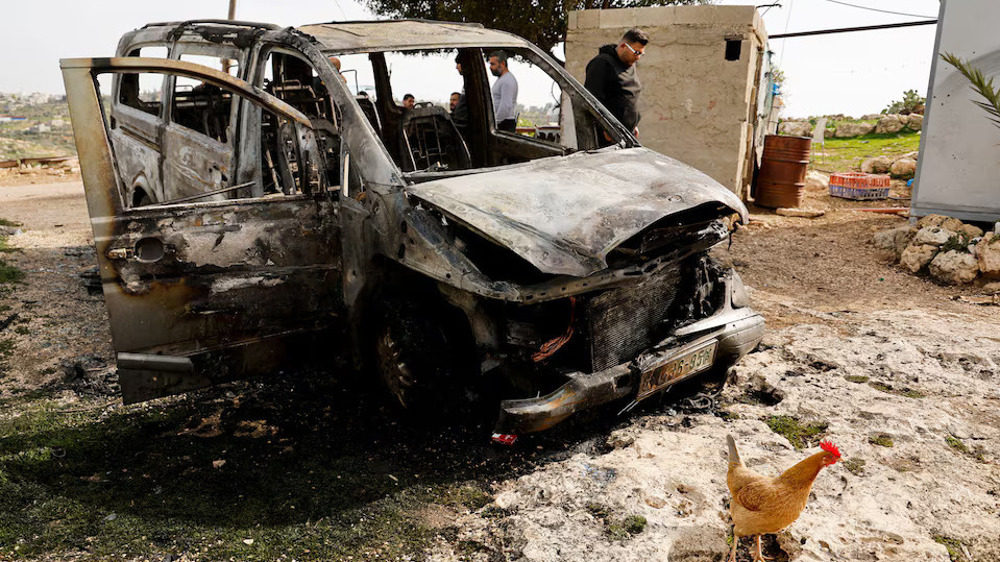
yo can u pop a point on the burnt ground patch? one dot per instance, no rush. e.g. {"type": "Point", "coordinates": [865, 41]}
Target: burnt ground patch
{"type": "Point", "coordinates": [309, 464]}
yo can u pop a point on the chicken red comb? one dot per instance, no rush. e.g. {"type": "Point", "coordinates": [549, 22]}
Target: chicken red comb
{"type": "Point", "coordinates": [829, 447]}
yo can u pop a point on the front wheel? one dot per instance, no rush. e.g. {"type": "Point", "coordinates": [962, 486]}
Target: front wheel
{"type": "Point", "coordinates": [416, 360]}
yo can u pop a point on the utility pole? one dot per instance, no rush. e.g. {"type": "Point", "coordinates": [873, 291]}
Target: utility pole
{"type": "Point", "coordinates": [232, 16]}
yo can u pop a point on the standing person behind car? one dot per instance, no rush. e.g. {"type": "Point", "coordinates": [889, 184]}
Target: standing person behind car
{"type": "Point", "coordinates": [409, 101]}
{"type": "Point", "coordinates": [460, 113]}
{"type": "Point", "coordinates": [504, 93]}
{"type": "Point", "coordinates": [611, 77]}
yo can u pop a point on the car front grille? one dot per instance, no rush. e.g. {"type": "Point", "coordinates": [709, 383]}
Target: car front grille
{"type": "Point", "coordinates": [623, 322]}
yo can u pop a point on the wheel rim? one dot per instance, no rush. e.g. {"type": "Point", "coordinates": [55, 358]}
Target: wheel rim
{"type": "Point", "coordinates": [393, 368]}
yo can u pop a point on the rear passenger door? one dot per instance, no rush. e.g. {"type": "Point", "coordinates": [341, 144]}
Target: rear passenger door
{"type": "Point", "coordinates": [200, 126]}
{"type": "Point", "coordinates": [197, 134]}
{"type": "Point", "coordinates": [135, 129]}
{"type": "Point", "coordinates": [225, 280]}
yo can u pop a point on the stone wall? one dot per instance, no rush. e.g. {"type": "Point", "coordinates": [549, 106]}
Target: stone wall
{"type": "Point", "coordinates": [696, 106]}
{"type": "Point", "coordinates": [848, 128]}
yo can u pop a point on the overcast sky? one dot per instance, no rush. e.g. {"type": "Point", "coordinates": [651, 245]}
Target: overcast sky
{"type": "Point", "coordinates": [853, 73]}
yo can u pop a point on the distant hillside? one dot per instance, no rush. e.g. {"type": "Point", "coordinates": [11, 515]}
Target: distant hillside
{"type": "Point", "coordinates": [45, 129]}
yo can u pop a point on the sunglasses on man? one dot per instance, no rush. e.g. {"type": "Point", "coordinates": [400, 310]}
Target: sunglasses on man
{"type": "Point", "coordinates": [636, 53]}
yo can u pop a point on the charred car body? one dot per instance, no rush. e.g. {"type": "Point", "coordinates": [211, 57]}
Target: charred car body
{"type": "Point", "coordinates": [268, 207]}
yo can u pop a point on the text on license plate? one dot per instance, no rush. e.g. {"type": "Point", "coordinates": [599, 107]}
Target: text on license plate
{"type": "Point", "coordinates": [691, 362]}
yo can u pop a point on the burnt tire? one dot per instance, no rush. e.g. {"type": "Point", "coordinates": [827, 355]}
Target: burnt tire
{"type": "Point", "coordinates": [415, 360]}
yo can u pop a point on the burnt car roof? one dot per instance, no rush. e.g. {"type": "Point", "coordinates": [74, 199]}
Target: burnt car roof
{"type": "Point", "coordinates": [371, 36]}
{"type": "Point", "coordinates": [396, 35]}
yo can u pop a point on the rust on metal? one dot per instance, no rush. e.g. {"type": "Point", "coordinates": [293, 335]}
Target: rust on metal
{"type": "Point", "coordinates": [782, 178]}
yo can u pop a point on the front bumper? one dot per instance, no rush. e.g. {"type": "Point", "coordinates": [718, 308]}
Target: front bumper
{"type": "Point", "coordinates": [736, 330]}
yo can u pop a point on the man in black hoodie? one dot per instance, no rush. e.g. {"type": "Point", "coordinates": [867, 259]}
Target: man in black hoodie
{"type": "Point", "coordinates": [612, 79]}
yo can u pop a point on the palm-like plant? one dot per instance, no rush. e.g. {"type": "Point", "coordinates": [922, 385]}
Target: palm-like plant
{"type": "Point", "coordinates": [982, 86]}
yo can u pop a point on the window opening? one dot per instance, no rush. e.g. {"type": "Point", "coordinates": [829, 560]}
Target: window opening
{"type": "Point", "coordinates": [201, 106]}
{"type": "Point", "coordinates": [539, 101]}
{"type": "Point", "coordinates": [291, 157]}
{"type": "Point", "coordinates": [733, 49]}
{"type": "Point", "coordinates": [293, 80]}
{"type": "Point", "coordinates": [143, 91]}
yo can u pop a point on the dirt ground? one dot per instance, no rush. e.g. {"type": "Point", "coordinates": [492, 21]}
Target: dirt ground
{"type": "Point", "coordinates": [890, 366]}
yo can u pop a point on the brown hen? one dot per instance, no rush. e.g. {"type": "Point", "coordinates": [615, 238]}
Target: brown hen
{"type": "Point", "coordinates": [763, 505]}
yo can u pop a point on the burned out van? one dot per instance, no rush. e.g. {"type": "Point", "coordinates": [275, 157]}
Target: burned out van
{"type": "Point", "coordinates": [258, 194]}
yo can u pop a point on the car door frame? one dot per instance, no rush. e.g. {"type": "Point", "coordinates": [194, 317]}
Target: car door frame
{"type": "Point", "coordinates": [167, 328]}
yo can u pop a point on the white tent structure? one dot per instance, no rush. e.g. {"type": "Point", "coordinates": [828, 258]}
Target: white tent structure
{"type": "Point", "coordinates": [959, 167]}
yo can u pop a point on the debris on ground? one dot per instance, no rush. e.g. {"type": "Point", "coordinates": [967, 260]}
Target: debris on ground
{"type": "Point", "coordinates": [797, 212]}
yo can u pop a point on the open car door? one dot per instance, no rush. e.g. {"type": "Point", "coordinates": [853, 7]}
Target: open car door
{"type": "Point", "coordinates": [221, 284]}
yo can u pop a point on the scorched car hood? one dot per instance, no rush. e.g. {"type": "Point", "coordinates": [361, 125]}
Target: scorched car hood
{"type": "Point", "coordinates": [564, 214]}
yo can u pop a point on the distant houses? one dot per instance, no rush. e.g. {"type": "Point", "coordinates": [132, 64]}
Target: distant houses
{"type": "Point", "coordinates": [11, 118]}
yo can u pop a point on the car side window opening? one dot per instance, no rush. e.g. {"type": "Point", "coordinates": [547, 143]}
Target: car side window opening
{"type": "Point", "coordinates": [201, 106]}
{"type": "Point", "coordinates": [540, 103]}
{"type": "Point", "coordinates": [548, 110]}
{"type": "Point", "coordinates": [293, 80]}
{"type": "Point", "coordinates": [290, 159]}
{"type": "Point", "coordinates": [143, 91]}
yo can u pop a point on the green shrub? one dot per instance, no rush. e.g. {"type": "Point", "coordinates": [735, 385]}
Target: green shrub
{"type": "Point", "coordinates": [911, 99]}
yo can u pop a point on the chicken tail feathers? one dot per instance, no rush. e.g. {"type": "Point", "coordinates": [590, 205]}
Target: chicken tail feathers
{"type": "Point", "coordinates": [734, 453]}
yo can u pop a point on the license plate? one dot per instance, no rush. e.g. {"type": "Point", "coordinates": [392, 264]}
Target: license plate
{"type": "Point", "coordinates": [657, 377]}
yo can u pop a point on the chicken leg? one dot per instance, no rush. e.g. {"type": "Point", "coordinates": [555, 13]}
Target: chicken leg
{"type": "Point", "coordinates": [736, 544]}
{"type": "Point", "coordinates": [758, 555]}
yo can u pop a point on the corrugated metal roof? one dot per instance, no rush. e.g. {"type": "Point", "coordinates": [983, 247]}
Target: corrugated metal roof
{"type": "Point", "coordinates": [394, 35]}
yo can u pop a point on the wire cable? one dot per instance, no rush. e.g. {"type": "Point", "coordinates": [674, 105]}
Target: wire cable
{"type": "Point", "coordinates": [878, 10]}
{"type": "Point", "coordinates": [343, 14]}
{"type": "Point", "coordinates": [767, 8]}
{"type": "Point", "coordinates": [781, 57]}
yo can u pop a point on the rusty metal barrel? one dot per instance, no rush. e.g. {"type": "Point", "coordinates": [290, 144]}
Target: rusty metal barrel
{"type": "Point", "coordinates": [782, 177]}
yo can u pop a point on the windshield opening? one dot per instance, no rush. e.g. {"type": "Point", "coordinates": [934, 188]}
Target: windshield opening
{"type": "Point", "coordinates": [441, 111]}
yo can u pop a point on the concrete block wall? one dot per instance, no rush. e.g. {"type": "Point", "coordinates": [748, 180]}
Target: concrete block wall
{"type": "Point", "coordinates": [696, 106]}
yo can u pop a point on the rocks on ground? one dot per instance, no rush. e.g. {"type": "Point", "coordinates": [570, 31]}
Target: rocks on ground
{"type": "Point", "coordinates": [848, 130]}
{"type": "Point", "coordinates": [899, 167]}
{"type": "Point", "coordinates": [954, 267]}
{"type": "Point", "coordinates": [798, 212]}
{"type": "Point", "coordinates": [952, 252]}
{"type": "Point", "coordinates": [796, 128]}
{"type": "Point", "coordinates": [988, 254]}
{"type": "Point", "coordinates": [877, 165]}
{"type": "Point", "coordinates": [817, 181]}
{"type": "Point", "coordinates": [889, 124]}
{"type": "Point", "coordinates": [932, 235]}
{"type": "Point", "coordinates": [904, 168]}
{"type": "Point", "coordinates": [915, 256]}
{"type": "Point", "coordinates": [895, 239]}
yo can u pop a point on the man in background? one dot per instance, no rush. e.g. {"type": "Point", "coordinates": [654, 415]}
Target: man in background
{"type": "Point", "coordinates": [504, 93]}
{"type": "Point", "coordinates": [409, 101]}
{"type": "Point", "coordinates": [460, 108]}
{"type": "Point", "coordinates": [453, 103]}
{"type": "Point", "coordinates": [611, 77]}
